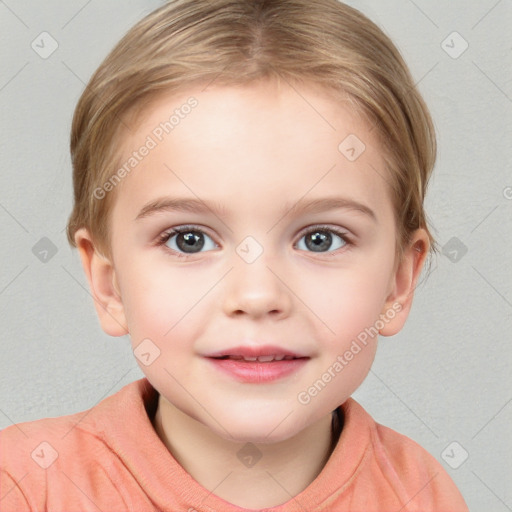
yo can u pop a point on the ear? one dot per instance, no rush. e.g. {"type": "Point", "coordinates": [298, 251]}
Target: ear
{"type": "Point", "coordinates": [100, 273]}
{"type": "Point", "coordinates": [403, 284]}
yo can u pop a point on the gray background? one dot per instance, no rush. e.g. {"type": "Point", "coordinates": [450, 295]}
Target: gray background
{"type": "Point", "coordinates": [445, 378]}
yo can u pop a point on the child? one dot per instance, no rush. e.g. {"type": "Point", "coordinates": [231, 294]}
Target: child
{"type": "Point", "coordinates": [287, 141]}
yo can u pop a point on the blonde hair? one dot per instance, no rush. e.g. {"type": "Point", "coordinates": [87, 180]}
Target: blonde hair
{"type": "Point", "coordinates": [321, 42]}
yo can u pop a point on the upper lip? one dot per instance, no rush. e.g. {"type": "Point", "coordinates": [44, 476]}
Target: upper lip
{"type": "Point", "coordinates": [255, 351]}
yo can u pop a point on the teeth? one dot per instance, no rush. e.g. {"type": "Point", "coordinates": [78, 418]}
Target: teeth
{"type": "Point", "coordinates": [265, 359]}
{"type": "Point", "coordinates": [261, 359]}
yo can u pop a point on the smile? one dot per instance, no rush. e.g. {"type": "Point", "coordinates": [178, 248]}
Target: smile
{"type": "Point", "coordinates": [260, 359]}
{"type": "Point", "coordinates": [257, 364]}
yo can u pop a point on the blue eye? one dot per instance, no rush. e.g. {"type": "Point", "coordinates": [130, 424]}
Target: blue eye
{"type": "Point", "coordinates": [321, 239]}
{"type": "Point", "coordinates": [187, 240]}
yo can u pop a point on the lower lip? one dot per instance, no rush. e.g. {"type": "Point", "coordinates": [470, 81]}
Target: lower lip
{"type": "Point", "coordinates": [256, 372]}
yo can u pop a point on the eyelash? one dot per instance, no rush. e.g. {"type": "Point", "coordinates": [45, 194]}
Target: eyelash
{"type": "Point", "coordinates": [167, 235]}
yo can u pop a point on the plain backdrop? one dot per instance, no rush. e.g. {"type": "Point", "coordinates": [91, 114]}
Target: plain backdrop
{"type": "Point", "coordinates": [445, 380]}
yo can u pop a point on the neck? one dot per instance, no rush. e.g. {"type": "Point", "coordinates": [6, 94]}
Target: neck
{"type": "Point", "coordinates": [245, 474]}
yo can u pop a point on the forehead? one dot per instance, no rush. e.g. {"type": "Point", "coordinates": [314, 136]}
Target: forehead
{"type": "Point", "coordinates": [247, 144]}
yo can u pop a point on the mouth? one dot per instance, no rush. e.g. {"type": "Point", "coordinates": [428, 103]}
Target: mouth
{"type": "Point", "coordinates": [261, 354]}
{"type": "Point", "coordinates": [260, 359]}
{"type": "Point", "coordinates": [257, 364]}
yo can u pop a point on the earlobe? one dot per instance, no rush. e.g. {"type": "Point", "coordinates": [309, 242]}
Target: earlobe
{"type": "Point", "coordinates": [101, 276]}
{"type": "Point", "coordinates": [399, 301]}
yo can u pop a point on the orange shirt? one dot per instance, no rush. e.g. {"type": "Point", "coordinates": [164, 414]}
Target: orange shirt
{"type": "Point", "coordinates": [110, 458]}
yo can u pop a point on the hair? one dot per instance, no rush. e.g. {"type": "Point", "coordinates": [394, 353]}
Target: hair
{"type": "Point", "coordinates": [235, 42]}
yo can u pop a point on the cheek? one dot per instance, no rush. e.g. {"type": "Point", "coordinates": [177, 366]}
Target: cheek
{"type": "Point", "coordinates": [160, 301]}
{"type": "Point", "coordinates": [350, 299]}
{"type": "Point", "coordinates": [350, 306]}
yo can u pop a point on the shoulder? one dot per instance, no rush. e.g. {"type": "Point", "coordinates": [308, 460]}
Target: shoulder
{"type": "Point", "coordinates": [40, 439]}
{"type": "Point", "coordinates": [37, 444]}
{"type": "Point", "coordinates": [416, 477]}
{"type": "Point", "coordinates": [36, 452]}
{"type": "Point", "coordinates": [29, 455]}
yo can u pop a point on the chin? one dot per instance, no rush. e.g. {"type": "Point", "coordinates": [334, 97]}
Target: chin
{"type": "Point", "coordinates": [248, 434]}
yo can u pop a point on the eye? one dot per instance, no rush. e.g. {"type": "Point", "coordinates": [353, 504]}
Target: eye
{"type": "Point", "coordinates": [323, 239]}
{"type": "Point", "coordinates": [187, 240]}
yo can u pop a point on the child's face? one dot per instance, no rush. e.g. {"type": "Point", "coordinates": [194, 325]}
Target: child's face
{"type": "Point", "coordinates": [254, 152]}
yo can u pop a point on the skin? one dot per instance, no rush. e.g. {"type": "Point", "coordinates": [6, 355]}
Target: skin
{"type": "Point", "coordinates": [252, 149]}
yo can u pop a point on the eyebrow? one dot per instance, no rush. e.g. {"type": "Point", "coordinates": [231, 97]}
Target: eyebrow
{"type": "Point", "coordinates": [169, 204]}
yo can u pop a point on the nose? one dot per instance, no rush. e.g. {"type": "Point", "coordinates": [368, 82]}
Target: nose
{"type": "Point", "coordinates": [257, 289]}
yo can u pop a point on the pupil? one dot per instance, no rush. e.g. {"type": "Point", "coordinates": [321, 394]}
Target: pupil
{"type": "Point", "coordinates": [187, 241]}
